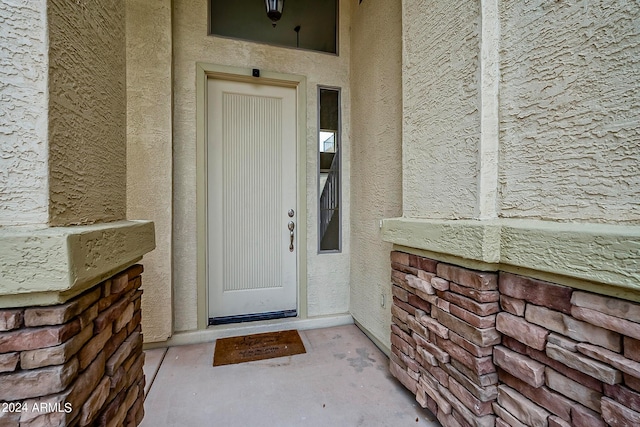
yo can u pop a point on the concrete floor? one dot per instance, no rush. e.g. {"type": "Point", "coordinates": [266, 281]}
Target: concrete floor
{"type": "Point", "coordinates": [342, 380]}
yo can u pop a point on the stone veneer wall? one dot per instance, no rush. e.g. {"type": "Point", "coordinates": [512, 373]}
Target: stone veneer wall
{"type": "Point", "coordinates": [498, 349]}
{"type": "Point", "coordinates": [78, 363]}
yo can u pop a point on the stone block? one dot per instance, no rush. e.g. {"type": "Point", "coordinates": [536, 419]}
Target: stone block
{"type": "Point", "coordinates": [478, 365]}
{"type": "Point", "coordinates": [123, 352]}
{"type": "Point", "coordinates": [608, 305]}
{"type": "Point", "coordinates": [440, 284]}
{"type": "Point", "coordinates": [479, 308]}
{"type": "Point", "coordinates": [631, 348]}
{"type": "Point", "coordinates": [404, 269]}
{"type": "Point", "coordinates": [631, 382]}
{"type": "Point", "coordinates": [600, 371]}
{"type": "Point", "coordinates": [93, 347]}
{"type": "Point", "coordinates": [616, 360]}
{"type": "Point", "coordinates": [472, 319]}
{"type": "Point", "coordinates": [135, 271]}
{"type": "Point", "coordinates": [518, 328]}
{"type": "Point", "coordinates": [474, 349]}
{"type": "Point", "coordinates": [617, 415]}
{"type": "Point", "coordinates": [88, 316]}
{"type": "Point", "coordinates": [114, 342]}
{"type": "Point", "coordinates": [394, 328]}
{"type": "Point", "coordinates": [555, 421]}
{"type": "Point", "coordinates": [426, 276]}
{"type": "Point", "coordinates": [483, 393]}
{"type": "Point", "coordinates": [433, 354]}
{"type": "Point", "coordinates": [106, 318]}
{"type": "Point", "coordinates": [419, 303]}
{"type": "Point", "coordinates": [124, 318]}
{"type": "Point", "coordinates": [402, 345]}
{"type": "Point", "coordinates": [474, 294]}
{"type": "Point", "coordinates": [467, 417]}
{"type": "Point", "coordinates": [623, 395]}
{"type": "Point", "coordinates": [399, 323]}
{"type": "Point", "coordinates": [10, 319]}
{"type": "Point", "coordinates": [481, 336]}
{"type": "Point", "coordinates": [452, 420]}
{"type": "Point", "coordinates": [33, 338]}
{"type": "Point", "coordinates": [484, 380]}
{"type": "Point", "coordinates": [127, 403]}
{"type": "Point", "coordinates": [440, 354]}
{"type": "Point", "coordinates": [432, 299]}
{"type": "Point", "coordinates": [443, 305]}
{"type": "Point", "coordinates": [9, 419]}
{"type": "Point", "coordinates": [625, 327]}
{"type": "Point", "coordinates": [404, 306]}
{"type": "Point", "coordinates": [573, 390]}
{"type": "Point", "coordinates": [402, 376]}
{"type": "Point", "coordinates": [436, 372]}
{"type": "Point", "coordinates": [582, 416]}
{"type": "Point", "coordinates": [520, 366]}
{"type": "Point", "coordinates": [471, 402]}
{"type": "Point", "coordinates": [562, 341]}
{"type": "Point", "coordinates": [512, 305]}
{"type": "Point", "coordinates": [509, 419]}
{"type": "Point", "coordinates": [573, 328]}
{"type": "Point", "coordinates": [479, 280]}
{"type": "Point", "coordinates": [94, 403]}
{"type": "Point", "coordinates": [542, 357]}
{"type": "Point", "coordinates": [427, 264]}
{"type": "Point", "coordinates": [425, 358]}
{"type": "Point", "coordinates": [433, 393]}
{"type": "Point", "coordinates": [57, 355]}
{"type": "Point", "coordinates": [119, 283]}
{"type": "Point", "coordinates": [420, 284]}
{"type": "Point", "coordinates": [400, 293]}
{"type": "Point", "coordinates": [399, 278]}
{"type": "Point", "coordinates": [59, 314]}
{"type": "Point", "coordinates": [543, 396]}
{"type": "Point", "coordinates": [135, 321]}
{"type": "Point", "coordinates": [37, 382]}
{"type": "Point", "coordinates": [535, 291]}
{"type": "Point", "coordinates": [399, 313]}
{"type": "Point", "coordinates": [9, 361]}
{"type": "Point", "coordinates": [522, 408]}
{"type": "Point", "coordinates": [400, 257]}
{"type": "Point", "coordinates": [435, 326]}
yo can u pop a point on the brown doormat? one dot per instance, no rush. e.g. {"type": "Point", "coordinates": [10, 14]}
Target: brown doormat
{"type": "Point", "coordinates": [257, 347]}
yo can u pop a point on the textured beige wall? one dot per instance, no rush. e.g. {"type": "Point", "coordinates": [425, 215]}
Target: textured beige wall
{"type": "Point", "coordinates": [328, 275]}
{"type": "Point", "coordinates": [376, 156]}
{"type": "Point", "coordinates": [441, 130]}
{"type": "Point", "coordinates": [87, 111]}
{"type": "Point", "coordinates": [23, 113]}
{"type": "Point", "coordinates": [570, 129]}
{"type": "Point", "coordinates": [149, 151]}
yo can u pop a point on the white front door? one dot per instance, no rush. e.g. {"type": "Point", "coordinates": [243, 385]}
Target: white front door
{"type": "Point", "coordinates": [252, 186]}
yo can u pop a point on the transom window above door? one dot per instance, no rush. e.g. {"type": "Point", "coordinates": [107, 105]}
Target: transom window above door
{"type": "Point", "coordinates": [304, 24]}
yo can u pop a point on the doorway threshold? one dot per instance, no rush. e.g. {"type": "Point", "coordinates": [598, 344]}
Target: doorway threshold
{"type": "Point", "coordinates": [252, 317]}
{"type": "Point", "coordinates": [214, 332]}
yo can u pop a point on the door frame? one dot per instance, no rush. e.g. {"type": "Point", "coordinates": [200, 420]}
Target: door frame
{"type": "Point", "coordinates": [204, 71]}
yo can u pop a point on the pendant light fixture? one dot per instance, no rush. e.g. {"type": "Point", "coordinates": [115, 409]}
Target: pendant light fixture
{"type": "Point", "coordinates": [274, 10]}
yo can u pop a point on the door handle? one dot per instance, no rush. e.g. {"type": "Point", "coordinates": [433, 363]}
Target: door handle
{"type": "Point", "coordinates": [291, 226]}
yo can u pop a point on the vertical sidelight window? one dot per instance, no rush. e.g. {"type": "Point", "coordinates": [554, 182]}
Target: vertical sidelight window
{"type": "Point", "coordinates": [329, 177]}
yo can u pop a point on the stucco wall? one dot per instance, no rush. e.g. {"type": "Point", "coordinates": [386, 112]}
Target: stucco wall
{"type": "Point", "coordinates": [87, 112]}
{"type": "Point", "coordinates": [23, 113]}
{"type": "Point", "coordinates": [441, 121]}
{"type": "Point", "coordinates": [149, 151]}
{"type": "Point", "coordinates": [376, 156]}
{"type": "Point", "coordinates": [569, 99]}
{"type": "Point", "coordinates": [328, 275]}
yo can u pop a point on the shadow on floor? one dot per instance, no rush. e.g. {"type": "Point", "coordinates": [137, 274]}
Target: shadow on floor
{"type": "Point", "coordinates": [342, 380]}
